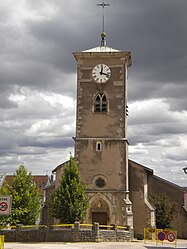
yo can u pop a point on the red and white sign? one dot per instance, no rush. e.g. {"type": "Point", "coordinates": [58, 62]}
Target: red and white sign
{"type": "Point", "coordinates": [5, 204]}
{"type": "Point", "coordinates": [171, 236]}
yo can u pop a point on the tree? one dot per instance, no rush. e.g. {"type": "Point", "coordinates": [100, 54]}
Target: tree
{"type": "Point", "coordinates": [69, 201]}
{"type": "Point", "coordinates": [26, 201]}
{"type": "Point", "coordinates": [165, 211]}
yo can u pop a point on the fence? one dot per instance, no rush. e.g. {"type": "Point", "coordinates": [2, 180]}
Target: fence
{"type": "Point", "coordinates": [1, 241]}
{"type": "Point", "coordinates": [160, 235]}
{"type": "Point", "coordinates": [66, 233]}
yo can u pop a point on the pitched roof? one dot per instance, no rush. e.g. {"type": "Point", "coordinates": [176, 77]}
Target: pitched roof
{"type": "Point", "coordinates": [142, 166]}
{"type": "Point", "coordinates": [40, 180]}
{"type": "Point", "coordinates": [155, 176]}
{"type": "Point", "coordinates": [59, 166]}
{"type": "Point", "coordinates": [149, 170]}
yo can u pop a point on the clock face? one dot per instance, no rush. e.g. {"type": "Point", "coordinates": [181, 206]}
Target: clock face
{"type": "Point", "coordinates": [101, 73]}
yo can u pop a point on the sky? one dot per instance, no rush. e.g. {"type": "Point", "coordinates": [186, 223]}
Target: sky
{"type": "Point", "coordinates": [38, 79]}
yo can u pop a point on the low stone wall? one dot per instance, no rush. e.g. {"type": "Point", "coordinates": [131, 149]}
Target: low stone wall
{"type": "Point", "coordinates": [75, 234]}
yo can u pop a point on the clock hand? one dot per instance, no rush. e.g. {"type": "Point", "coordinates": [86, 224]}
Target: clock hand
{"type": "Point", "coordinates": [101, 72]}
{"type": "Point", "coordinates": [107, 74]}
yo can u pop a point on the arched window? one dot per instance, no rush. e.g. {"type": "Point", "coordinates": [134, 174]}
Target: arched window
{"type": "Point", "coordinates": [98, 146]}
{"type": "Point", "coordinates": [100, 104]}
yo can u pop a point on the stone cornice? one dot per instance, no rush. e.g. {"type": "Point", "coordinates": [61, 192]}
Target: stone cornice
{"type": "Point", "coordinates": [100, 138]}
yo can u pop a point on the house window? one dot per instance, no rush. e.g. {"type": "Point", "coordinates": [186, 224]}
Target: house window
{"type": "Point", "coordinates": [100, 104]}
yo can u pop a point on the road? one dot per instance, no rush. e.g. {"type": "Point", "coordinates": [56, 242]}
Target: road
{"type": "Point", "coordinates": [181, 244]}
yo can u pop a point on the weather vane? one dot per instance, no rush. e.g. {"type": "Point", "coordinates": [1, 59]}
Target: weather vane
{"type": "Point", "coordinates": [103, 35]}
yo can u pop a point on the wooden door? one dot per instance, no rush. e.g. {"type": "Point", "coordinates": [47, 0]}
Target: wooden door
{"type": "Point", "coordinates": [100, 217]}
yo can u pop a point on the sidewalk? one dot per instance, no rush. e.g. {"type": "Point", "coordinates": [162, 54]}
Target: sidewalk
{"type": "Point", "coordinates": [181, 244]}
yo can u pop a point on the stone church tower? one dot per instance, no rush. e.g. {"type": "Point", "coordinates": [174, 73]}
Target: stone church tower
{"type": "Point", "coordinates": [101, 142]}
{"type": "Point", "coordinates": [119, 190]}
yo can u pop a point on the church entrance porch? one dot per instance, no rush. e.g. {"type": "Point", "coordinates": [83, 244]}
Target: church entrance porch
{"type": "Point", "coordinates": [100, 210]}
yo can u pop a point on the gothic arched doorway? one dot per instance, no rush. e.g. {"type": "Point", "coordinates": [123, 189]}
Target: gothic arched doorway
{"type": "Point", "coordinates": [100, 211]}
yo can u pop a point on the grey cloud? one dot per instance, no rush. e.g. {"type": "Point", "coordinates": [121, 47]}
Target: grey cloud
{"type": "Point", "coordinates": [51, 142]}
{"type": "Point", "coordinates": [177, 157]}
{"type": "Point", "coordinates": [36, 55]}
{"type": "Point", "coordinates": [5, 103]}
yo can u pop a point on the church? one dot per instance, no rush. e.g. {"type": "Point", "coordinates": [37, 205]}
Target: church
{"type": "Point", "coordinates": [118, 188]}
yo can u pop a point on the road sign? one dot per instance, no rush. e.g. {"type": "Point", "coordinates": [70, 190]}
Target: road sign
{"type": "Point", "coordinates": [161, 236]}
{"type": "Point", "coordinates": [5, 204]}
{"type": "Point", "coordinates": [170, 236]}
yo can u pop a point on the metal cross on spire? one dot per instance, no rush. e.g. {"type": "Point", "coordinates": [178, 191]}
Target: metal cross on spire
{"type": "Point", "coordinates": [103, 35]}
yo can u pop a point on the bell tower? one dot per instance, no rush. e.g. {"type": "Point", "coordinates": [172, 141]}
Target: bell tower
{"type": "Point", "coordinates": [101, 142]}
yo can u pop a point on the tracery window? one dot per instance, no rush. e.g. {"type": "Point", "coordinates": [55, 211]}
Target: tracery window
{"type": "Point", "coordinates": [100, 104]}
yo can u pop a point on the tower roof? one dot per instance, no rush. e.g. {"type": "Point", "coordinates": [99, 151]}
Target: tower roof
{"type": "Point", "coordinates": [101, 49]}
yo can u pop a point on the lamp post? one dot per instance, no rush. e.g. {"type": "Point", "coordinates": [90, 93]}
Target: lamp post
{"type": "Point", "coordinates": [185, 170]}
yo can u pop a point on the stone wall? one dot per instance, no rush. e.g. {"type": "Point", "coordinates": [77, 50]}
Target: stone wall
{"type": "Point", "coordinates": [155, 185]}
{"type": "Point", "coordinates": [176, 195]}
{"type": "Point", "coordinates": [76, 234]}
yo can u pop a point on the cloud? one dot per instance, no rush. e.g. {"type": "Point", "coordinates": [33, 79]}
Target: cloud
{"type": "Point", "coordinates": [38, 79]}
{"type": "Point", "coordinates": [157, 137]}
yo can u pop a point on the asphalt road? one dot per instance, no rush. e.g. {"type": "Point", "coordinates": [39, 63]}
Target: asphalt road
{"type": "Point", "coordinates": [181, 244]}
